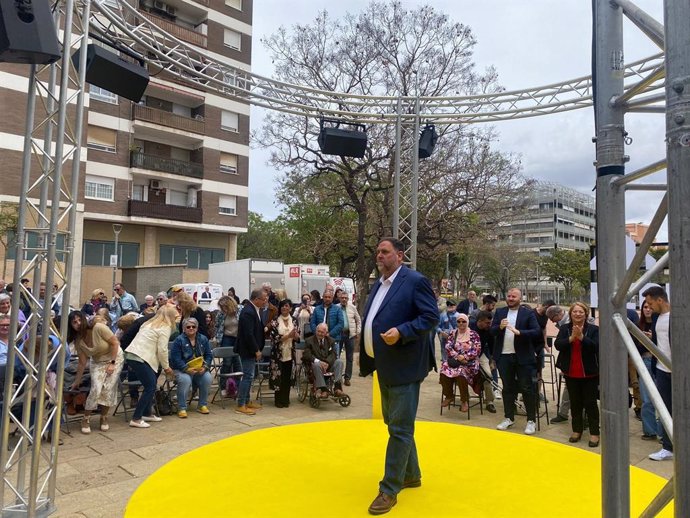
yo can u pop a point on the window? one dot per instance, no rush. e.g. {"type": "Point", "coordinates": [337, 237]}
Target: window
{"type": "Point", "coordinates": [101, 139]}
{"type": "Point", "coordinates": [227, 205]}
{"type": "Point", "coordinates": [138, 192]}
{"type": "Point", "coordinates": [194, 257]}
{"type": "Point", "coordinates": [228, 163]}
{"type": "Point", "coordinates": [97, 253]}
{"type": "Point", "coordinates": [99, 188]}
{"type": "Point", "coordinates": [232, 39]}
{"type": "Point", "coordinates": [230, 121]}
{"type": "Point", "coordinates": [100, 94]}
{"type": "Point", "coordinates": [235, 4]}
{"type": "Point", "coordinates": [177, 198]}
{"type": "Point", "coordinates": [32, 240]}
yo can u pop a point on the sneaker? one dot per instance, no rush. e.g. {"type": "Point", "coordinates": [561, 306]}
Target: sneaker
{"type": "Point", "coordinates": [254, 406]}
{"type": "Point", "coordinates": [505, 424]}
{"type": "Point", "coordinates": [152, 418]}
{"type": "Point", "coordinates": [531, 428]}
{"type": "Point", "coordinates": [182, 414]}
{"type": "Point", "coordinates": [223, 393]}
{"type": "Point", "coordinates": [139, 424]}
{"type": "Point", "coordinates": [85, 426]}
{"type": "Point", "coordinates": [104, 424]}
{"type": "Point", "coordinates": [559, 419]}
{"type": "Point", "coordinates": [203, 409]}
{"type": "Point", "coordinates": [497, 394]}
{"type": "Point", "coordinates": [491, 408]}
{"type": "Point", "coordinates": [244, 410]}
{"type": "Point", "coordinates": [662, 454]}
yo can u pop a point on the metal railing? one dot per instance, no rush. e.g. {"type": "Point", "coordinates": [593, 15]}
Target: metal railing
{"type": "Point", "coordinates": [146, 209]}
{"type": "Point", "coordinates": [172, 120]}
{"type": "Point", "coordinates": [178, 31]}
{"type": "Point", "coordinates": [166, 165]}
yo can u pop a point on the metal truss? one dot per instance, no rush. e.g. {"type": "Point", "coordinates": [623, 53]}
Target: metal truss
{"type": "Point", "coordinates": [47, 208]}
{"type": "Point", "coordinates": [618, 284]}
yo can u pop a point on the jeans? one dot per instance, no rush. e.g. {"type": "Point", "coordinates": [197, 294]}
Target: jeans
{"type": "Point", "coordinates": [349, 345]}
{"type": "Point", "coordinates": [186, 381]}
{"type": "Point", "coordinates": [234, 363]}
{"type": "Point", "coordinates": [663, 383]}
{"type": "Point", "coordinates": [148, 379]}
{"type": "Point", "coordinates": [336, 368]}
{"type": "Point", "coordinates": [648, 413]}
{"type": "Point", "coordinates": [518, 378]}
{"type": "Point", "coordinates": [583, 396]}
{"type": "Point", "coordinates": [399, 407]}
{"type": "Point", "coordinates": [248, 367]}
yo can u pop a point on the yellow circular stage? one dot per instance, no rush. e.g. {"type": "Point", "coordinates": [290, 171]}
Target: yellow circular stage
{"type": "Point", "coordinates": [333, 468]}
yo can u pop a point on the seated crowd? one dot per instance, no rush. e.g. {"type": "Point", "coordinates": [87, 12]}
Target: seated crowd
{"type": "Point", "coordinates": [116, 339]}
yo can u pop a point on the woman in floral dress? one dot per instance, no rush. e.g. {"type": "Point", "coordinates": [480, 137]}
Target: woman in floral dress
{"type": "Point", "coordinates": [463, 346]}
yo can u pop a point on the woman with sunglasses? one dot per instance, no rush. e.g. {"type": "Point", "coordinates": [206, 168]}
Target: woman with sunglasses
{"type": "Point", "coordinates": [189, 309]}
{"type": "Point", "coordinates": [145, 355]}
{"type": "Point", "coordinates": [191, 359]}
{"type": "Point", "coordinates": [98, 300]}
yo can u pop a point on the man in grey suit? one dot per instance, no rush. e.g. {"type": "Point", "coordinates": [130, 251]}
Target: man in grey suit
{"type": "Point", "coordinates": [399, 322]}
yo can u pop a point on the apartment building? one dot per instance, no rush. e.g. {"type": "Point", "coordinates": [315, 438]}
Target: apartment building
{"type": "Point", "coordinates": [171, 172]}
{"type": "Point", "coordinates": [552, 216]}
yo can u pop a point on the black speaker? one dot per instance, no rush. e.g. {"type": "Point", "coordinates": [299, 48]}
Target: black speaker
{"type": "Point", "coordinates": [342, 142]}
{"type": "Point", "coordinates": [107, 70]}
{"type": "Point", "coordinates": [427, 141]}
{"type": "Point", "coordinates": [27, 32]}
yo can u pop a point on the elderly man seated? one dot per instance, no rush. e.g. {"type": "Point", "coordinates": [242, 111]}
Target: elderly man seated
{"type": "Point", "coordinates": [320, 353]}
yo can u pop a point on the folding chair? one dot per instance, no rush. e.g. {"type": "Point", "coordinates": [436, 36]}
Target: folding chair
{"type": "Point", "coordinates": [263, 372]}
{"type": "Point", "coordinates": [222, 353]}
{"type": "Point", "coordinates": [123, 388]}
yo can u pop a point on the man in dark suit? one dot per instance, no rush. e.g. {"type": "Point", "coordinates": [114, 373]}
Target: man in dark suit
{"type": "Point", "coordinates": [249, 344]}
{"type": "Point", "coordinates": [468, 305]}
{"type": "Point", "coordinates": [399, 321]}
{"type": "Point", "coordinates": [516, 328]}
{"type": "Point", "coordinates": [320, 354]}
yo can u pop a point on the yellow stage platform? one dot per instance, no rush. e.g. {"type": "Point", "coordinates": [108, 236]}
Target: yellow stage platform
{"type": "Point", "coordinates": [335, 466]}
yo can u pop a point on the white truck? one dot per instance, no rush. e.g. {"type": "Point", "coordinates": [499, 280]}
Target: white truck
{"type": "Point", "coordinates": [303, 278]}
{"type": "Point", "coordinates": [246, 275]}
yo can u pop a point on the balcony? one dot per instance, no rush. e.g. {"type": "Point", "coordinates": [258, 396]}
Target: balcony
{"type": "Point", "coordinates": [172, 120]}
{"type": "Point", "coordinates": [146, 209]}
{"type": "Point", "coordinates": [165, 165]}
{"type": "Point", "coordinates": [202, 2]}
{"type": "Point", "coordinates": [178, 31]}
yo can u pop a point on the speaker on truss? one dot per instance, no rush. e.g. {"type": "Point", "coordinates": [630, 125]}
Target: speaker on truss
{"type": "Point", "coordinates": [27, 32]}
{"type": "Point", "coordinates": [108, 71]}
{"type": "Point", "coordinates": [334, 140]}
{"type": "Point", "coordinates": [427, 141]}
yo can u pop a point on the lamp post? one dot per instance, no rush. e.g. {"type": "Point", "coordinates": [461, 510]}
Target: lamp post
{"type": "Point", "coordinates": [117, 228]}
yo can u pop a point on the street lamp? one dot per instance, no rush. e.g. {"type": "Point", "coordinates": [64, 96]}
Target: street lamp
{"type": "Point", "coordinates": [117, 228]}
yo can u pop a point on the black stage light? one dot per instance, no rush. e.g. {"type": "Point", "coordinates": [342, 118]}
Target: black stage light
{"type": "Point", "coordinates": [427, 141]}
{"type": "Point", "coordinates": [333, 140]}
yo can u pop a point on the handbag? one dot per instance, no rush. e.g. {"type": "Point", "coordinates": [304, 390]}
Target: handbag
{"type": "Point", "coordinates": [196, 363]}
{"type": "Point", "coordinates": [453, 363]}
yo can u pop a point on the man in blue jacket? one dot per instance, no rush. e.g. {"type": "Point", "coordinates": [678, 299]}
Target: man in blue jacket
{"type": "Point", "coordinates": [516, 328]}
{"type": "Point", "coordinates": [329, 314]}
{"type": "Point", "coordinates": [399, 322]}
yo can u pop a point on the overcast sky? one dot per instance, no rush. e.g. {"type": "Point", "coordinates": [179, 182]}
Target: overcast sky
{"type": "Point", "coordinates": [531, 43]}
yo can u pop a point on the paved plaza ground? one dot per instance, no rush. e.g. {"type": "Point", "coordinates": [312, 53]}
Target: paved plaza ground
{"type": "Point", "coordinates": [98, 473]}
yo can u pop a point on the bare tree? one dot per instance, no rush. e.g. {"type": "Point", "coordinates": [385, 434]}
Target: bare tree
{"type": "Point", "coordinates": [9, 216]}
{"type": "Point", "coordinates": [386, 50]}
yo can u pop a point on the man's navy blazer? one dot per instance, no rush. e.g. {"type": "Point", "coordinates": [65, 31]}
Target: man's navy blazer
{"type": "Point", "coordinates": [250, 333]}
{"type": "Point", "coordinates": [409, 306]}
{"type": "Point", "coordinates": [528, 326]}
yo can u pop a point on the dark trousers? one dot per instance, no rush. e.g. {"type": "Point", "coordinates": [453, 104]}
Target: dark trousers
{"type": "Point", "coordinates": [518, 378]}
{"type": "Point", "coordinates": [399, 408]}
{"type": "Point", "coordinates": [234, 363]}
{"type": "Point", "coordinates": [583, 396]}
{"type": "Point", "coordinates": [663, 383]}
{"type": "Point", "coordinates": [349, 345]}
{"type": "Point", "coordinates": [148, 379]}
{"type": "Point", "coordinates": [283, 393]}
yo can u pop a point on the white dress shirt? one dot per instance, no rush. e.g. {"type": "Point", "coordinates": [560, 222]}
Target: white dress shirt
{"type": "Point", "coordinates": [374, 309]}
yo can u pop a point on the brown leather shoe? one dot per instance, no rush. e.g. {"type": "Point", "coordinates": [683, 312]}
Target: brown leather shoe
{"type": "Point", "coordinates": [347, 382]}
{"type": "Point", "coordinates": [254, 405]}
{"type": "Point", "coordinates": [382, 504]}
{"type": "Point", "coordinates": [412, 483]}
{"type": "Point", "coordinates": [244, 410]}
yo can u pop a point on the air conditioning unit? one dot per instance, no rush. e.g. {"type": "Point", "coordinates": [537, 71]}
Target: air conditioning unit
{"type": "Point", "coordinates": [155, 184]}
{"type": "Point", "coordinates": [170, 9]}
{"type": "Point", "coordinates": [159, 5]}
